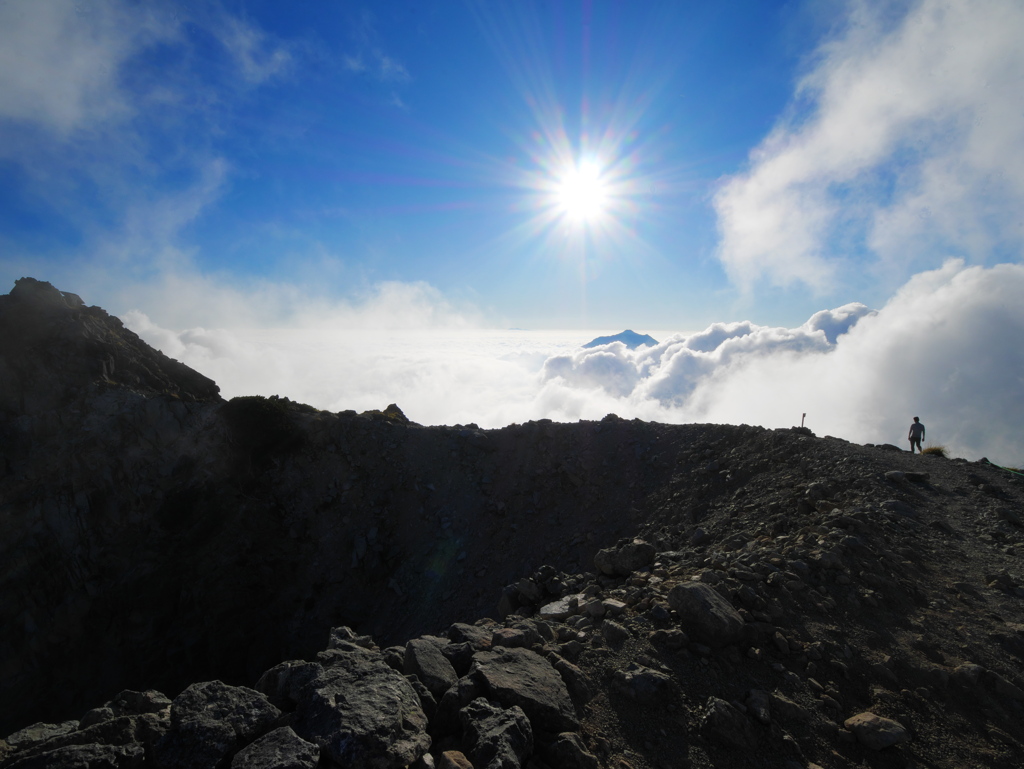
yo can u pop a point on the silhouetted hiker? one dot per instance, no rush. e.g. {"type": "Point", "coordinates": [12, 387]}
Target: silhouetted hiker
{"type": "Point", "coordinates": [916, 434]}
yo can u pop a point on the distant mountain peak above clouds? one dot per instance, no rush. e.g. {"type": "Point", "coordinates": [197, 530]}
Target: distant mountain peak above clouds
{"type": "Point", "coordinates": [630, 338]}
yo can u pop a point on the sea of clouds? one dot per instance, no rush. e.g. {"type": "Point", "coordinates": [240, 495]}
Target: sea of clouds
{"type": "Point", "coordinates": [947, 347]}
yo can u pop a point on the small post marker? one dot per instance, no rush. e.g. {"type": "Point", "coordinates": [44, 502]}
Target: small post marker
{"type": "Point", "coordinates": [802, 418]}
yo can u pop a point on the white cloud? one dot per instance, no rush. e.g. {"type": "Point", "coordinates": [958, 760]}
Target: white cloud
{"type": "Point", "coordinates": [912, 146]}
{"type": "Point", "coordinates": [60, 61]}
{"type": "Point", "coordinates": [63, 63]}
{"type": "Point", "coordinates": [945, 347]}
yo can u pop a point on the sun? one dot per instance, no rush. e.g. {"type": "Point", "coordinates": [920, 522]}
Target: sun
{"type": "Point", "coordinates": [581, 192]}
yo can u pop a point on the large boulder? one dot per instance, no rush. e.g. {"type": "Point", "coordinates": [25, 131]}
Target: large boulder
{"type": "Point", "coordinates": [423, 658]}
{"type": "Point", "coordinates": [726, 725]}
{"type": "Point", "coordinates": [210, 721]}
{"type": "Point", "coordinates": [283, 683]}
{"type": "Point", "coordinates": [280, 749]}
{"type": "Point", "coordinates": [642, 684]}
{"type": "Point", "coordinates": [522, 677]}
{"type": "Point", "coordinates": [624, 560]}
{"type": "Point", "coordinates": [363, 713]}
{"type": "Point", "coordinates": [875, 732]}
{"type": "Point", "coordinates": [705, 614]}
{"type": "Point", "coordinates": [497, 738]}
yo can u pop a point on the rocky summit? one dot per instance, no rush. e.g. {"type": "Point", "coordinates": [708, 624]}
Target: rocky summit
{"type": "Point", "coordinates": [194, 582]}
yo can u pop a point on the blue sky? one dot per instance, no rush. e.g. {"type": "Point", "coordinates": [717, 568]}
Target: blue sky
{"type": "Point", "coordinates": [814, 205]}
{"type": "Point", "coordinates": [336, 145]}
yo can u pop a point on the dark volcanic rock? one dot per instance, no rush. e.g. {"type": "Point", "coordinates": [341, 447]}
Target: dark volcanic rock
{"type": "Point", "coordinates": [423, 658]}
{"type": "Point", "coordinates": [84, 757]}
{"type": "Point", "coordinates": [626, 559]}
{"type": "Point", "coordinates": [62, 348]}
{"type": "Point", "coordinates": [705, 615]}
{"type": "Point", "coordinates": [497, 738]}
{"type": "Point", "coordinates": [520, 677]}
{"type": "Point", "coordinates": [363, 713]}
{"type": "Point", "coordinates": [280, 749]}
{"type": "Point", "coordinates": [210, 721]}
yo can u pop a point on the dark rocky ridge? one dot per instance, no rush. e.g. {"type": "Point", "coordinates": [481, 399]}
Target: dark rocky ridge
{"type": "Point", "coordinates": [153, 536]}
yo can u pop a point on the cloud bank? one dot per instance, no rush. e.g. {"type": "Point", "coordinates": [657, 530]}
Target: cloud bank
{"type": "Point", "coordinates": [945, 347]}
{"type": "Point", "coordinates": [904, 145]}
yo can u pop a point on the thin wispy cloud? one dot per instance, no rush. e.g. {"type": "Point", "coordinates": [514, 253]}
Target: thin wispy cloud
{"type": "Point", "coordinates": [369, 57]}
{"type": "Point", "coordinates": [905, 145]}
{"type": "Point", "coordinates": [258, 58]}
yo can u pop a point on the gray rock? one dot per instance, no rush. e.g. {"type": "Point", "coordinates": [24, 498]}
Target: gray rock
{"type": "Point", "coordinates": [726, 725]}
{"type": "Point", "coordinates": [497, 738]}
{"type": "Point", "coordinates": [210, 721]}
{"type": "Point", "coordinates": [460, 655]}
{"type": "Point", "coordinates": [614, 633]}
{"type": "Point", "coordinates": [283, 683]}
{"type": "Point", "coordinates": [145, 729]}
{"type": "Point", "coordinates": [84, 757]}
{"type": "Point", "coordinates": [563, 608]}
{"type": "Point", "coordinates": [523, 678]}
{"type": "Point", "coordinates": [898, 507]}
{"type": "Point", "coordinates": [96, 716]}
{"type": "Point", "coordinates": [453, 759]}
{"type": "Point", "coordinates": [642, 684]}
{"type": "Point", "coordinates": [876, 733]}
{"type": "Point", "coordinates": [529, 591]}
{"type": "Point", "coordinates": [446, 719]}
{"type": "Point", "coordinates": [475, 635]}
{"type": "Point", "coordinates": [759, 705]}
{"type": "Point", "coordinates": [423, 658]}
{"type": "Point", "coordinates": [510, 637]}
{"type": "Point", "coordinates": [36, 733]}
{"type": "Point", "coordinates": [705, 614]}
{"type": "Point", "coordinates": [342, 637]}
{"type": "Point", "coordinates": [787, 710]}
{"type": "Point", "coordinates": [363, 713]}
{"type": "Point", "coordinates": [127, 703]}
{"type": "Point", "coordinates": [569, 752]}
{"type": "Point", "coordinates": [1002, 687]}
{"type": "Point", "coordinates": [427, 700]}
{"type": "Point", "coordinates": [968, 675]}
{"type": "Point", "coordinates": [576, 681]}
{"type": "Point", "coordinates": [622, 561]}
{"type": "Point", "coordinates": [280, 749]}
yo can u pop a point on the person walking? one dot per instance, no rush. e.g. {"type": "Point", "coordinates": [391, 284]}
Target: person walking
{"type": "Point", "coordinates": [916, 434]}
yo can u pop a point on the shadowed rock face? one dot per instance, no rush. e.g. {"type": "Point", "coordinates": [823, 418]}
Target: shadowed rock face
{"type": "Point", "coordinates": [54, 348]}
{"type": "Point", "coordinates": [659, 595]}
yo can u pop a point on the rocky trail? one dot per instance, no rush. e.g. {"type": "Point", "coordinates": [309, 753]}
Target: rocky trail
{"type": "Point", "coordinates": [188, 581]}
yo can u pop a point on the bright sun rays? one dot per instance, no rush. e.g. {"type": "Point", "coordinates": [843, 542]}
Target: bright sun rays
{"type": "Point", "coordinates": [582, 193]}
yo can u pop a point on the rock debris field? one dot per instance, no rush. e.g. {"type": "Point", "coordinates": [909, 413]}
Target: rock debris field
{"type": "Point", "coordinates": [194, 582]}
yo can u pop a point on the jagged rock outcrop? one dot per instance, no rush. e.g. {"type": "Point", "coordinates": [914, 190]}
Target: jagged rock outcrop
{"type": "Point", "coordinates": [55, 348]}
{"type": "Point", "coordinates": [732, 596]}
